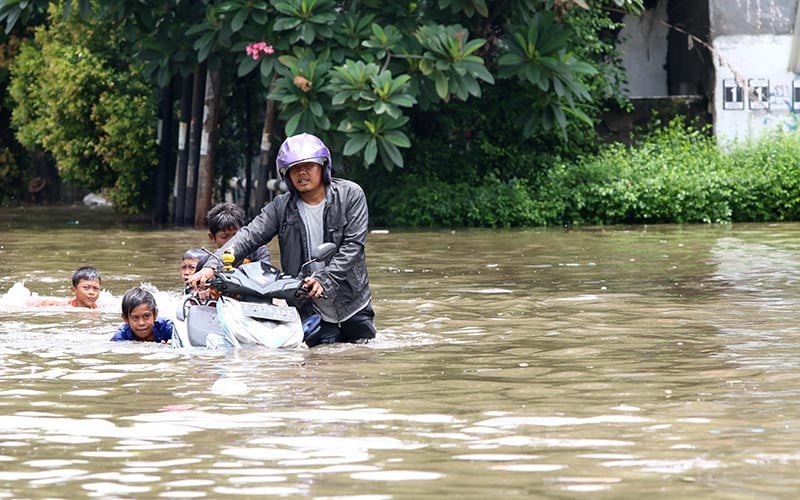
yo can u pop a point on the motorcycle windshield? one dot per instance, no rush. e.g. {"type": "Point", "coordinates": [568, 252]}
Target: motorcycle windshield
{"type": "Point", "coordinates": [260, 274]}
{"type": "Point", "coordinates": [257, 279]}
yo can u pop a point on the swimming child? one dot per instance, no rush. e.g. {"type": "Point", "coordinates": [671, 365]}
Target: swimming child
{"type": "Point", "coordinates": [189, 262]}
{"type": "Point", "coordinates": [85, 287]}
{"type": "Point", "coordinates": [224, 221]}
{"type": "Point", "coordinates": [140, 314]}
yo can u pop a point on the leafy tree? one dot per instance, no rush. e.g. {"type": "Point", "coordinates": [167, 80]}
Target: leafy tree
{"type": "Point", "coordinates": [11, 177]}
{"type": "Point", "coordinates": [356, 73]}
{"type": "Point", "coordinates": [79, 100]}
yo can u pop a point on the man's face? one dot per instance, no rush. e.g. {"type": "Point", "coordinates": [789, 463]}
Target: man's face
{"type": "Point", "coordinates": [86, 293]}
{"type": "Point", "coordinates": [306, 177]}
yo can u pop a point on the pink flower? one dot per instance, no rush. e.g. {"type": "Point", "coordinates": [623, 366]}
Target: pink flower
{"type": "Point", "coordinates": [255, 50]}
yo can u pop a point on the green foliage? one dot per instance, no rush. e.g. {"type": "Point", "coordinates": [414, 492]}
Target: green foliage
{"type": "Point", "coordinates": [673, 174]}
{"type": "Point", "coordinates": [359, 87]}
{"type": "Point", "coordinates": [438, 52]}
{"type": "Point", "coordinates": [361, 74]}
{"type": "Point", "coordinates": [164, 47]}
{"type": "Point", "coordinates": [306, 20]}
{"type": "Point", "coordinates": [300, 92]}
{"type": "Point", "coordinates": [767, 178]}
{"type": "Point", "coordinates": [13, 162]}
{"type": "Point", "coordinates": [537, 57]}
{"type": "Point", "coordinates": [678, 174]}
{"type": "Point", "coordinates": [422, 203]}
{"type": "Point", "coordinates": [457, 181]}
{"type": "Point", "coordinates": [378, 136]}
{"type": "Point", "coordinates": [24, 11]}
{"type": "Point", "coordinates": [593, 38]}
{"type": "Point", "coordinates": [382, 41]}
{"type": "Point", "coordinates": [10, 176]}
{"type": "Point", "coordinates": [468, 7]}
{"type": "Point", "coordinates": [449, 59]}
{"type": "Point", "coordinates": [76, 100]}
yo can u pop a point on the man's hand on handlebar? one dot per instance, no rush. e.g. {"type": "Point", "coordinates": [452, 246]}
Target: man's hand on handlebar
{"type": "Point", "coordinates": [313, 288]}
{"type": "Point", "coordinates": [198, 280]}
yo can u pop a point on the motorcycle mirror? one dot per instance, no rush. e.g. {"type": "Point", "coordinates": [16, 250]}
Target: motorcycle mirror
{"type": "Point", "coordinates": [323, 251]}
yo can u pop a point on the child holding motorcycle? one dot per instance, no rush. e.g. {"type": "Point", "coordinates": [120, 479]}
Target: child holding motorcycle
{"type": "Point", "coordinates": [224, 220]}
{"type": "Point", "coordinates": [189, 262]}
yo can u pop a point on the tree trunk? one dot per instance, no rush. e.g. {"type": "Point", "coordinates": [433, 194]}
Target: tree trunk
{"type": "Point", "coordinates": [266, 158]}
{"type": "Point", "coordinates": [205, 178]}
{"type": "Point", "coordinates": [195, 134]}
{"type": "Point", "coordinates": [179, 192]}
{"type": "Point", "coordinates": [165, 144]}
{"type": "Point", "coordinates": [248, 165]}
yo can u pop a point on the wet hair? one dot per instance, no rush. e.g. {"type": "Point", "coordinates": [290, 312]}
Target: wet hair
{"type": "Point", "coordinates": [85, 273]}
{"type": "Point", "coordinates": [225, 215]}
{"type": "Point", "coordinates": [201, 262]}
{"type": "Point", "coordinates": [135, 297]}
{"type": "Point", "coordinates": [194, 254]}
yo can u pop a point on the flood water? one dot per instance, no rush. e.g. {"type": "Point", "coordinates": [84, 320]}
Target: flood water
{"type": "Point", "coordinates": [542, 363]}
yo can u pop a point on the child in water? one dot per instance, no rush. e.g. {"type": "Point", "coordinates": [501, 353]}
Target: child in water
{"type": "Point", "coordinates": [193, 259]}
{"type": "Point", "coordinates": [189, 262]}
{"type": "Point", "coordinates": [140, 314]}
{"type": "Point", "coordinates": [224, 221]}
{"type": "Point", "coordinates": [85, 287]}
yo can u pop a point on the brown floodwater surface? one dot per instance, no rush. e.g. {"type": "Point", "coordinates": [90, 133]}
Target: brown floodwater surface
{"type": "Point", "coordinates": [610, 362]}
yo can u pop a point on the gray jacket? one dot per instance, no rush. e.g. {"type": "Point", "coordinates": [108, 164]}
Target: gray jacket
{"type": "Point", "coordinates": [346, 219]}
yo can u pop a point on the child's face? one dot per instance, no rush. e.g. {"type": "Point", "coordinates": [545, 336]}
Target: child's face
{"type": "Point", "coordinates": [188, 267]}
{"type": "Point", "coordinates": [222, 236]}
{"type": "Point", "coordinates": [86, 293]}
{"type": "Point", "coordinates": [141, 320]}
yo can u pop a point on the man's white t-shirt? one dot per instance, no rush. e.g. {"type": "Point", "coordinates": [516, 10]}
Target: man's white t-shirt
{"type": "Point", "coordinates": [312, 219]}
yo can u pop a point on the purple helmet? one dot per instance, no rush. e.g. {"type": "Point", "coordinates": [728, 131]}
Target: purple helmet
{"type": "Point", "coordinates": [302, 148]}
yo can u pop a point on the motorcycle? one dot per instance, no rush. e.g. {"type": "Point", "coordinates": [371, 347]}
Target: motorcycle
{"type": "Point", "coordinates": [243, 307]}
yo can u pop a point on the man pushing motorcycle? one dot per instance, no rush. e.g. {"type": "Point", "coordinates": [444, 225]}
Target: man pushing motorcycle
{"type": "Point", "coordinates": [318, 208]}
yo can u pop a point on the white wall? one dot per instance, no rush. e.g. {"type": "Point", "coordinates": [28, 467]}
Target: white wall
{"type": "Point", "coordinates": [644, 52]}
{"type": "Point", "coordinates": [760, 63]}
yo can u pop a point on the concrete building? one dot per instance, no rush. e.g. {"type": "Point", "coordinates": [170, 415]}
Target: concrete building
{"type": "Point", "coordinates": [739, 57]}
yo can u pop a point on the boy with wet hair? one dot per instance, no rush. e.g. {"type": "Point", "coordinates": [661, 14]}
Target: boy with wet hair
{"type": "Point", "coordinates": [189, 262]}
{"type": "Point", "coordinates": [140, 314]}
{"type": "Point", "coordinates": [224, 220]}
{"type": "Point", "coordinates": [85, 287]}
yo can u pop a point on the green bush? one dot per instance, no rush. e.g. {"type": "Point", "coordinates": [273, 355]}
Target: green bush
{"type": "Point", "coordinates": [678, 174]}
{"type": "Point", "coordinates": [674, 174]}
{"type": "Point", "coordinates": [494, 203]}
{"type": "Point", "coordinates": [77, 98]}
{"type": "Point", "coordinates": [766, 178]}
{"type": "Point", "coordinates": [10, 177]}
